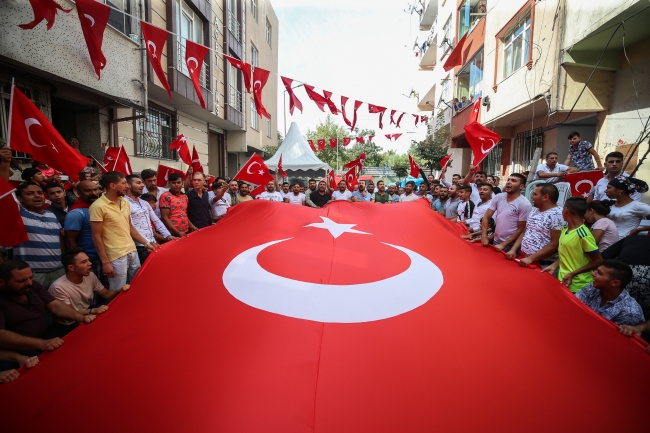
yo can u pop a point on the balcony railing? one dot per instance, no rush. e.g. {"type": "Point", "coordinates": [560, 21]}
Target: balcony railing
{"type": "Point", "coordinates": [234, 26]}
{"type": "Point", "coordinates": [182, 66]}
{"type": "Point", "coordinates": [235, 99]}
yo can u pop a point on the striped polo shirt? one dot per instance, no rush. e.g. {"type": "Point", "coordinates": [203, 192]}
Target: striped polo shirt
{"type": "Point", "coordinates": [43, 249]}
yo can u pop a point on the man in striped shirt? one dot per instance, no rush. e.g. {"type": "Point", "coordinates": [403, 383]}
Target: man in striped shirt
{"type": "Point", "coordinates": [43, 250]}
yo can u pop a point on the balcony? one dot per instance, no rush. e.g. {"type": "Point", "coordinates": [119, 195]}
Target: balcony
{"type": "Point", "coordinates": [429, 14]}
{"type": "Point", "coordinates": [429, 57]}
{"type": "Point", "coordinates": [234, 26]}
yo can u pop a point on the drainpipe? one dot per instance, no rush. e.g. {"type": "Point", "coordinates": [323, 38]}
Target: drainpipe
{"type": "Point", "coordinates": [143, 76]}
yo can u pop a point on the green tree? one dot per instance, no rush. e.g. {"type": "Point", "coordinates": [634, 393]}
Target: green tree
{"type": "Point", "coordinates": [374, 157]}
{"type": "Point", "coordinates": [401, 169]}
{"type": "Point", "coordinates": [434, 147]}
{"type": "Point", "coordinates": [326, 130]}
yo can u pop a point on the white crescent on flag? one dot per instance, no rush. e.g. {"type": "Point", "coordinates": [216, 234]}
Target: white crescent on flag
{"type": "Point", "coordinates": [584, 194]}
{"type": "Point", "coordinates": [256, 83]}
{"type": "Point", "coordinates": [91, 19]}
{"type": "Point", "coordinates": [152, 48]}
{"type": "Point", "coordinates": [196, 64]}
{"type": "Point", "coordinates": [248, 169]}
{"type": "Point", "coordinates": [28, 123]}
{"type": "Point", "coordinates": [486, 151]}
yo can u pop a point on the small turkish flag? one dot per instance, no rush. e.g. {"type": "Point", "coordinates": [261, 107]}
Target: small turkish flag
{"type": "Point", "coordinates": [320, 100]}
{"type": "Point", "coordinates": [456, 56]}
{"type": "Point", "coordinates": [311, 144]}
{"type": "Point", "coordinates": [345, 119]}
{"type": "Point", "coordinates": [399, 119]}
{"type": "Point", "coordinates": [473, 117]}
{"type": "Point", "coordinates": [333, 142]}
{"type": "Point", "coordinates": [155, 39]}
{"type": "Point", "coordinates": [396, 136]}
{"type": "Point", "coordinates": [43, 10]}
{"type": "Point", "coordinates": [346, 141]}
{"type": "Point", "coordinates": [357, 162]}
{"type": "Point", "coordinates": [101, 166]}
{"type": "Point", "coordinates": [444, 162]}
{"type": "Point", "coordinates": [196, 161]}
{"type": "Point", "coordinates": [415, 168]}
{"type": "Point", "coordinates": [392, 113]}
{"type": "Point", "coordinates": [260, 76]}
{"type": "Point", "coordinates": [246, 70]}
{"type": "Point", "coordinates": [294, 102]}
{"type": "Point", "coordinates": [417, 119]}
{"type": "Point", "coordinates": [359, 140]}
{"type": "Point", "coordinates": [331, 179]}
{"type": "Point", "coordinates": [587, 178]}
{"type": "Point", "coordinates": [351, 179]}
{"type": "Point", "coordinates": [254, 171]}
{"type": "Point", "coordinates": [321, 144]}
{"type": "Point", "coordinates": [180, 145]}
{"type": "Point", "coordinates": [31, 132]}
{"type": "Point", "coordinates": [162, 179]}
{"type": "Point", "coordinates": [370, 137]}
{"type": "Point", "coordinates": [389, 136]}
{"type": "Point", "coordinates": [14, 232]}
{"type": "Point", "coordinates": [423, 119]}
{"type": "Point", "coordinates": [194, 56]}
{"type": "Point", "coordinates": [377, 109]}
{"type": "Point", "coordinates": [93, 16]}
{"type": "Point", "coordinates": [280, 169]}
{"type": "Point", "coordinates": [330, 104]}
{"type": "Point", "coordinates": [481, 140]}
{"type": "Point", "coordinates": [357, 104]}
{"type": "Point", "coordinates": [116, 159]}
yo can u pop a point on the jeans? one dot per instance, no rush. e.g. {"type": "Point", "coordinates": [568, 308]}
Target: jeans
{"type": "Point", "coordinates": [125, 268]}
{"type": "Point", "coordinates": [143, 253]}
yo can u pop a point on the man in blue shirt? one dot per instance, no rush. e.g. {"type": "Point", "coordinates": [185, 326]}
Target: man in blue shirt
{"type": "Point", "coordinates": [362, 194]}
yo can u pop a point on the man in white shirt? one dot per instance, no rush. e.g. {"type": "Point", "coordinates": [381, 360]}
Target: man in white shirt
{"type": "Point", "coordinates": [479, 178]}
{"type": "Point", "coordinates": [150, 179]}
{"type": "Point", "coordinates": [220, 200]}
{"type": "Point", "coordinates": [512, 209]}
{"type": "Point", "coordinates": [295, 196]}
{"type": "Point", "coordinates": [551, 171]}
{"type": "Point", "coordinates": [409, 193]}
{"type": "Point", "coordinates": [485, 193]}
{"type": "Point", "coordinates": [270, 194]}
{"type": "Point", "coordinates": [342, 193]}
{"type": "Point", "coordinates": [284, 190]}
{"type": "Point", "coordinates": [614, 167]}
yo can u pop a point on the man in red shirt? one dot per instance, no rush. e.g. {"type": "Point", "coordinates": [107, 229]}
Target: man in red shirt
{"type": "Point", "coordinates": [173, 208]}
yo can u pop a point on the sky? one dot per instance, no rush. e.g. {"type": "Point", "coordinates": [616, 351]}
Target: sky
{"type": "Point", "coordinates": [362, 49]}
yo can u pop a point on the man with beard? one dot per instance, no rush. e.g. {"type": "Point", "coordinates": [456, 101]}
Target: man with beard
{"type": "Point", "coordinates": [479, 179]}
{"type": "Point", "coordinates": [455, 179]}
{"type": "Point", "coordinates": [77, 233]}
{"type": "Point", "coordinates": [409, 193]}
{"type": "Point", "coordinates": [295, 197]}
{"type": "Point", "coordinates": [285, 190]}
{"type": "Point", "coordinates": [381, 196]}
{"type": "Point", "coordinates": [551, 171]}
{"type": "Point", "coordinates": [424, 192]}
{"type": "Point", "coordinates": [244, 193]}
{"type": "Point", "coordinates": [113, 233]}
{"type": "Point", "coordinates": [270, 194]}
{"type": "Point", "coordinates": [233, 192]}
{"type": "Point", "coordinates": [440, 203]}
{"type": "Point", "coordinates": [321, 197]}
{"type": "Point", "coordinates": [485, 193]}
{"type": "Point", "coordinates": [309, 191]}
{"type": "Point", "coordinates": [362, 194]}
{"type": "Point", "coordinates": [392, 190]}
{"type": "Point", "coordinates": [451, 207]}
{"type": "Point", "coordinates": [150, 178]}
{"type": "Point", "coordinates": [342, 194]}
{"type": "Point", "coordinates": [143, 217]}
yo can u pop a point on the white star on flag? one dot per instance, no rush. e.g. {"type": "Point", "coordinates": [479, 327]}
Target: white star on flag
{"type": "Point", "coordinates": [335, 228]}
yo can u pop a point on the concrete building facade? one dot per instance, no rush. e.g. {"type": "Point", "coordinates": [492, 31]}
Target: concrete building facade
{"type": "Point", "coordinates": [128, 105]}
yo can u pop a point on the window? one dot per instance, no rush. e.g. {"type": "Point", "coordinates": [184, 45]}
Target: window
{"type": "Point", "coordinates": [234, 94]}
{"type": "Point", "coordinates": [255, 56]}
{"type": "Point", "coordinates": [268, 128]}
{"type": "Point", "coordinates": [5, 98]}
{"type": "Point", "coordinates": [233, 23]}
{"type": "Point", "coordinates": [190, 27]}
{"type": "Point", "coordinates": [254, 9]}
{"type": "Point", "coordinates": [516, 47]}
{"type": "Point", "coordinates": [524, 149]}
{"type": "Point", "coordinates": [119, 20]}
{"type": "Point", "coordinates": [446, 86]}
{"type": "Point", "coordinates": [154, 134]}
{"type": "Point", "coordinates": [491, 165]}
{"type": "Point", "coordinates": [469, 13]}
{"type": "Point", "coordinates": [255, 118]}
{"type": "Point", "coordinates": [269, 33]}
{"type": "Point", "coordinates": [470, 79]}
{"type": "Point", "coordinates": [447, 41]}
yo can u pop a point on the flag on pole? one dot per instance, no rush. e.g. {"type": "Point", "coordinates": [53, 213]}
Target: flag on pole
{"type": "Point", "coordinates": [415, 168]}
{"type": "Point", "coordinates": [583, 182]}
{"type": "Point", "coordinates": [180, 145]}
{"type": "Point", "coordinates": [481, 140]}
{"type": "Point", "coordinates": [280, 169]}
{"type": "Point", "coordinates": [14, 231]}
{"type": "Point", "coordinates": [93, 16]}
{"type": "Point", "coordinates": [155, 39]}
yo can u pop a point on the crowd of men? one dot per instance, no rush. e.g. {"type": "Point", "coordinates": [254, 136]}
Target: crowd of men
{"type": "Point", "coordinates": [86, 245]}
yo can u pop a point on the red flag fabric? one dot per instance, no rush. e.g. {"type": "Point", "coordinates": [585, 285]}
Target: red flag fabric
{"type": "Point", "coordinates": [338, 346]}
{"type": "Point", "coordinates": [110, 157]}
{"type": "Point", "coordinates": [14, 232]}
{"type": "Point", "coordinates": [392, 113]}
{"type": "Point", "coordinates": [423, 119]}
{"type": "Point", "coordinates": [331, 179]}
{"type": "Point", "coordinates": [194, 56]}
{"type": "Point", "coordinates": [210, 181]}
{"type": "Point", "coordinates": [481, 140]}
{"type": "Point", "coordinates": [357, 104]}
{"type": "Point", "coordinates": [583, 182]}
{"type": "Point", "coordinates": [321, 144]}
{"type": "Point", "coordinates": [444, 161]}
{"type": "Point", "coordinates": [415, 168]}
{"type": "Point", "coordinates": [377, 109]}
{"type": "Point", "coordinates": [254, 171]}
{"type": "Point", "coordinates": [456, 56]}
{"type": "Point", "coordinates": [351, 179]}
{"type": "Point", "coordinates": [399, 119]}
{"type": "Point", "coordinates": [260, 76]}
{"type": "Point", "coordinates": [180, 145]}
{"type": "Point", "coordinates": [389, 136]}
{"type": "Point", "coordinates": [333, 142]}
{"type": "Point", "coordinates": [101, 166]}
{"type": "Point", "coordinates": [319, 99]}
{"type": "Point", "coordinates": [359, 140]}
{"type": "Point", "coordinates": [330, 104]}
{"type": "Point", "coordinates": [344, 100]}
{"type": "Point", "coordinates": [94, 18]}
{"type": "Point", "coordinates": [280, 169]}
{"type": "Point", "coordinates": [43, 10]}
{"type": "Point", "coordinates": [396, 136]}
{"type": "Point", "coordinates": [417, 119]}
{"type": "Point", "coordinates": [370, 137]}
{"type": "Point", "coordinates": [246, 70]}
{"type": "Point", "coordinates": [294, 102]}
{"type": "Point", "coordinates": [196, 161]}
{"type": "Point", "coordinates": [155, 39]}
{"type": "Point", "coordinates": [357, 162]}
{"type": "Point", "coordinates": [473, 116]}
{"type": "Point", "coordinates": [162, 179]}
{"type": "Point", "coordinates": [116, 159]}
{"type": "Point", "coordinates": [311, 144]}
{"type": "Point", "coordinates": [31, 132]}
{"type": "Point", "coordinates": [346, 141]}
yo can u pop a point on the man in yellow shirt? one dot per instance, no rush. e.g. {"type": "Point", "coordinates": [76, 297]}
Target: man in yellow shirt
{"type": "Point", "coordinates": [113, 233]}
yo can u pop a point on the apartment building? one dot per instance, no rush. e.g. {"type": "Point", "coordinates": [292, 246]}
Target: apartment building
{"type": "Point", "coordinates": [128, 105]}
{"type": "Point", "coordinates": [543, 69]}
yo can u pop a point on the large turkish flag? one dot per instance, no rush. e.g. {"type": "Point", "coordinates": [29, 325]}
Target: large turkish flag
{"type": "Point", "coordinates": [382, 331]}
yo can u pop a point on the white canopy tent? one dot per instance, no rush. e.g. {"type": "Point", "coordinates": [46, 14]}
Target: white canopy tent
{"type": "Point", "coordinates": [297, 157]}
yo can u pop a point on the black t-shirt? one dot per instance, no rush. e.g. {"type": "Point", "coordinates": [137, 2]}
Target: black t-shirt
{"type": "Point", "coordinates": [28, 319]}
{"type": "Point", "coordinates": [320, 200]}
{"type": "Point", "coordinates": [198, 209]}
{"type": "Point", "coordinates": [496, 190]}
{"type": "Point", "coordinates": [632, 250]}
{"type": "Point", "coordinates": [59, 213]}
